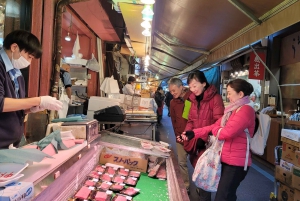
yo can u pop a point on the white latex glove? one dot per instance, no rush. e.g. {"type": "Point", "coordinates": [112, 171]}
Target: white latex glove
{"type": "Point", "coordinates": [50, 103]}
{"type": "Point", "coordinates": [36, 109]}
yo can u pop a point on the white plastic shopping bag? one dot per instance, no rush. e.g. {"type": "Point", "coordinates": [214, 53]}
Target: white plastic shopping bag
{"type": "Point", "coordinates": [65, 100]}
{"type": "Point", "coordinates": [113, 84]}
{"type": "Point", "coordinates": [207, 172]}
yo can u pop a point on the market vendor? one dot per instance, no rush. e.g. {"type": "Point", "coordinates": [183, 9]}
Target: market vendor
{"type": "Point", "coordinates": [128, 89]}
{"type": "Point", "coordinates": [19, 48]}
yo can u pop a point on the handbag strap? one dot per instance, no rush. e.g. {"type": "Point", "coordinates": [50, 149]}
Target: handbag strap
{"type": "Point", "coordinates": [248, 149]}
{"type": "Point", "coordinates": [213, 146]}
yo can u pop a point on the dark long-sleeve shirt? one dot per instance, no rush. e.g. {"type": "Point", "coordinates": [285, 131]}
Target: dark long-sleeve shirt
{"type": "Point", "coordinates": [11, 123]}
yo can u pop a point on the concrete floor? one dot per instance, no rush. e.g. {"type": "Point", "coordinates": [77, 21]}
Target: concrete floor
{"type": "Point", "coordinates": [257, 186]}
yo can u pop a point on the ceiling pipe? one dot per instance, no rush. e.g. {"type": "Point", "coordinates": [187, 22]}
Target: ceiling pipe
{"type": "Point", "coordinates": [170, 55]}
{"type": "Point", "coordinates": [193, 49]}
{"type": "Point", "coordinates": [57, 46]}
{"type": "Point", "coordinates": [244, 9]}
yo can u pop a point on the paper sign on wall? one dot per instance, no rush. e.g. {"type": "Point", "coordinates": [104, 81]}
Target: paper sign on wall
{"type": "Point", "coordinates": [143, 78]}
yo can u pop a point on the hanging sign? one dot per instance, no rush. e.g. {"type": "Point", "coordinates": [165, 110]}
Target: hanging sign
{"type": "Point", "coordinates": [256, 68]}
{"type": "Point", "coordinates": [143, 78]}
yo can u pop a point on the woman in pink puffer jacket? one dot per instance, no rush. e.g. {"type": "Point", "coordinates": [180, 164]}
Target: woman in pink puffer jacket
{"type": "Point", "coordinates": [237, 117]}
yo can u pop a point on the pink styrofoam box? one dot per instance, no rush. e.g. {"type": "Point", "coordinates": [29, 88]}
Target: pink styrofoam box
{"type": "Point", "coordinates": [83, 193]}
{"type": "Point", "coordinates": [67, 134]}
{"type": "Point", "coordinates": [30, 146]}
{"type": "Point", "coordinates": [50, 150]}
{"type": "Point", "coordinates": [69, 143]}
{"type": "Point", "coordinates": [79, 141]}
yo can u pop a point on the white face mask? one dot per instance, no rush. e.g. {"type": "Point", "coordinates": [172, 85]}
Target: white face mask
{"type": "Point", "coordinates": [19, 63]}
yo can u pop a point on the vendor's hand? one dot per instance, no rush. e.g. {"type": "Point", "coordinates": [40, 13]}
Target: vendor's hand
{"type": "Point", "coordinates": [36, 109]}
{"type": "Point", "coordinates": [50, 103]}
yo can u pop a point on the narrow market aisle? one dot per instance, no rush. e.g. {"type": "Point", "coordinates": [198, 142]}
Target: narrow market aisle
{"type": "Point", "coordinates": [257, 185]}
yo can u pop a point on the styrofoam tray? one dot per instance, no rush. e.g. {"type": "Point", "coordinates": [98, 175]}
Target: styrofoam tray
{"type": "Point", "coordinates": [10, 170]}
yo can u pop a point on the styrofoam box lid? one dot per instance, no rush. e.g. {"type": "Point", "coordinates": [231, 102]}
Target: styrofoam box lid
{"type": "Point", "coordinates": [291, 134]}
{"type": "Point", "coordinates": [98, 103]}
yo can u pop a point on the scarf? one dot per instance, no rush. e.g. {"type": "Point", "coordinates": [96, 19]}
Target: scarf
{"type": "Point", "coordinates": [233, 106]}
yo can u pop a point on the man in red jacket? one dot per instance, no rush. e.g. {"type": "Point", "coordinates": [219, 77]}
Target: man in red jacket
{"type": "Point", "coordinates": [180, 95]}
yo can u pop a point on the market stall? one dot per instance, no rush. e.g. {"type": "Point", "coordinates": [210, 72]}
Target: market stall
{"type": "Point", "coordinates": [60, 178]}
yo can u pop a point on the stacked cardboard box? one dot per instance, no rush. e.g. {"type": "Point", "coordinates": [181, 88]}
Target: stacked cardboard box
{"type": "Point", "coordinates": [288, 171]}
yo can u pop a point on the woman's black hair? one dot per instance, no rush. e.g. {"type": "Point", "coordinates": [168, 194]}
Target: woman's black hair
{"type": "Point", "coordinates": [241, 85]}
{"type": "Point", "coordinates": [26, 41]}
{"type": "Point", "coordinates": [200, 77]}
{"type": "Point", "coordinates": [159, 88]}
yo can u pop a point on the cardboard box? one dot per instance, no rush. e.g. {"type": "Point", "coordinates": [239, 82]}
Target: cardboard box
{"type": "Point", "coordinates": [296, 178]}
{"type": "Point", "coordinates": [297, 195]}
{"type": "Point", "coordinates": [288, 152]}
{"type": "Point", "coordinates": [286, 165]}
{"type": "Point", "coordinates": [19, 191]}
{"type": "Point", "coordinates": [291, 134]}
{"type": "Point", "coordinates": [285, 193]}
{"type": "Point", "coordinates": [292, 142]}
{"type": "Point", "coordinates": [297, 159]}
{"type": "Point", "coordinates": [283, 175]}
{"type": "Point", "coordinates": [136, 164]}
{"type": "Point", "coordinates": [78, 131]}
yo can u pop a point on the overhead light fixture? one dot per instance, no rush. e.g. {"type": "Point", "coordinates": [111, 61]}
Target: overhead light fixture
{"type": "Point", "coordinates": [146, 65]}
{"type": "Point", "coordinates": [146, 24]}
{"type": "Point", "coordinates": [147, 17]}
{"type": "Point", "coordinates": [68, 38]}
{"type": "Point", "coordinates": [146, 32]}
{"type": "Point", "coordinates": [148, 1]}
{"type": "Point", "coordinates": [147, 10]}
{"type": "Point", "coordinates": [146, 69]}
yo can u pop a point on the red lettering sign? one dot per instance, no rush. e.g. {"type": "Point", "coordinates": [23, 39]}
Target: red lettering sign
{"type": "Point", "coordinates": [256, 68]}
{"type": "Point", "coordinates": [107, 155]}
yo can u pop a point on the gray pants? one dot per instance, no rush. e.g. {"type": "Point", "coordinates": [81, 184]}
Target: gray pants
{"type": "Point", "coordinates": [182, 160]}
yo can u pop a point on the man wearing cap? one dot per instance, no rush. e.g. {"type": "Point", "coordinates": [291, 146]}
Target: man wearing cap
{"type": "Point", "coordinates": [128, 89]}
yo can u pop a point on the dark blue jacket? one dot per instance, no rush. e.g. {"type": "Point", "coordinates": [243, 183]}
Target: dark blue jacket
{"type": "Point", "coordinates": [11, 123]}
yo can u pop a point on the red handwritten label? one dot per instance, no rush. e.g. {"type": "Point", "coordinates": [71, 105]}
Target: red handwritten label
{"type": "Point", "coordinates": [107, 155]}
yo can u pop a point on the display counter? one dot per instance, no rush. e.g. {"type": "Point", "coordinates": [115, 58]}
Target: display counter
{"type": "Point", "coordinates": [59, 178]}
{"type": "Point", "coordinates": [139, 117]}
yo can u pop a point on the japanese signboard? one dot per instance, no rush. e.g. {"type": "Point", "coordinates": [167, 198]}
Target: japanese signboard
{"type": "Point", "coordinates": [290, 49]}
{"type": "Point", "coordinates": [256, 68]}
{"type": "Point", "coordinates": [136, 164]}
